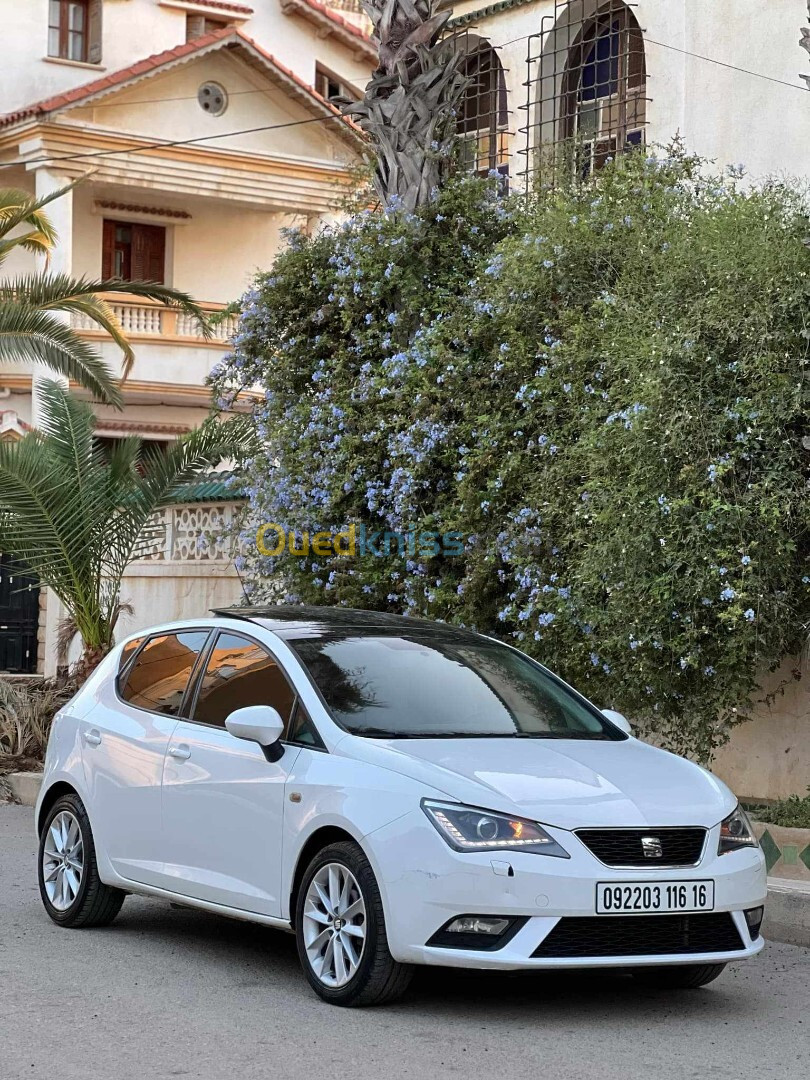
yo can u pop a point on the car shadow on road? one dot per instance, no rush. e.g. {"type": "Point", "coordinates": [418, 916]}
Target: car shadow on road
{"type": "Point", "coordinates": [248, 954]}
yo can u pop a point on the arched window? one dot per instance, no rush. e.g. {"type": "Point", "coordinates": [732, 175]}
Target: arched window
{"type": "Point", "coordinates": [603, 100]}
{"type": "Point", "coordinates": [483, 119]}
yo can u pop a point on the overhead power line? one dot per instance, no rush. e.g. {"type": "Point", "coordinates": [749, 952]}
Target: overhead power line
{"type": "Point", "coordinates": [325, 119]}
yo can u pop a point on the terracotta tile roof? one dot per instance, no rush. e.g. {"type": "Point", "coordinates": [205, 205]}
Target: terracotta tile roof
{"type": "Point", "coordinates": [226, 35]}
{"type": "Point", "coordinates": [320, 12]}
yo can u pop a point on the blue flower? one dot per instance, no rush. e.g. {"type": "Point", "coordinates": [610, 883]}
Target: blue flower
{"type": "Point", "coordinates": [727, 594]}
{"type": "Point", "coordinates": [708, 670]}
{"type": "Point", "coordinates": [746, 560]}
{"type": "Point", "coordinates": [749, 615]}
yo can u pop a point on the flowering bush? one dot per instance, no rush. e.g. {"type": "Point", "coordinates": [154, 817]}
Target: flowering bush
{"type": "Point", "coordinates": [601, 388]}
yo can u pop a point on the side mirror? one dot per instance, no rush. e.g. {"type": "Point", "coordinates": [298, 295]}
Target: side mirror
{"type": "Point", "coordinates": [618, 720]}
{"type": "Point", "coordinates": [261, 724]}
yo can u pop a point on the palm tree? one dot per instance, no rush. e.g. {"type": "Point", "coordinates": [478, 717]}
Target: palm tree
{"type": "Point", "coordinates": [76, 516]}
{"type": "Point", "coordinates": [409, 105]}
{"type": "Point", "coordinates": [30, 328]}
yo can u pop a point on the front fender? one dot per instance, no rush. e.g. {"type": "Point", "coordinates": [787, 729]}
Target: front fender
{"type": "Point", "coordinates": [338, 792]}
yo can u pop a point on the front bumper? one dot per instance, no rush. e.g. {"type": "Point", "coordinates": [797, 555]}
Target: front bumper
{"type": "Point", "coordinates": [425, 883]}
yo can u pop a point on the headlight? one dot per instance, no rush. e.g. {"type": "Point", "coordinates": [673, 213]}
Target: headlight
{"type": "Point", "coordinates": [736, 833]}
{"type": "Point", "coordinates": [467, 829]}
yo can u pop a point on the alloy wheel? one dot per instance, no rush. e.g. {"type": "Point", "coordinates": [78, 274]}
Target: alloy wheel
{"type": "Point", "coordinates": [334, 924]}
{"type": "Point", "coordinates": [63, 860]}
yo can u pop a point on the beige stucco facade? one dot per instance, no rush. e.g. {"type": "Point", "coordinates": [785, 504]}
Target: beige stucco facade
{"type": "Point", "coordinates": [222, 188]}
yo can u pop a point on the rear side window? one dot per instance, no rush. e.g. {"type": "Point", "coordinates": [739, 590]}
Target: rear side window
{"type": "Point", "coordinates": [127, 653]}
{"type": "Point", "coordinates": [239, 673]}
{"type": "Point", "coordinates": [161, 672]}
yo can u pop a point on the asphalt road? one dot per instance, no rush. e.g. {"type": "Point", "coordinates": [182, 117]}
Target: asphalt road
{"type": "Point", "coordinates": [168, 992]}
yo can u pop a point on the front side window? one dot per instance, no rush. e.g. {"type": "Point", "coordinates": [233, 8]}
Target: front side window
{"type": "Point", "coordinates": [240, 673]}
{"type": "Point", "coordinates": [68, 29]}
{"type": "Point", "coordinates": [161, 672]}
{"type": "Point", "coordinates": [431, 684]}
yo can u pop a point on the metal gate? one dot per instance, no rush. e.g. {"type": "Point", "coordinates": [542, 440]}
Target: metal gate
{"type": "Point", "coordinates": [19, 619]}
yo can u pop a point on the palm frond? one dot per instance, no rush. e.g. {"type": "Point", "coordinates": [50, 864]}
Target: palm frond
{"type": "Point", "coordinates": [36, 242]}
{"type": "Point", "coordinates": [19, 207]}
{"type": "Point", "coordinates": [66, 293]}
{"type": "Point", "coordinates": [76, 517]}
{"type": "Point", "coordinates": [29, 334]}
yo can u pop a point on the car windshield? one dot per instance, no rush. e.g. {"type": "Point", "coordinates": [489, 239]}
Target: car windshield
{"type": "Point", "coordinates": [430, 684]}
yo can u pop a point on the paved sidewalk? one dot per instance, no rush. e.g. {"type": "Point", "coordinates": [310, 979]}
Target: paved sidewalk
{"type": "Point", "coordinates": [166, 992]}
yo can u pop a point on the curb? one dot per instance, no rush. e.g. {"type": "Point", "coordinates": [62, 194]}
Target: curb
{"type": "Point", "coordinates": [25, 786]}
{"type": "Point", "coordinates": [787, 912]}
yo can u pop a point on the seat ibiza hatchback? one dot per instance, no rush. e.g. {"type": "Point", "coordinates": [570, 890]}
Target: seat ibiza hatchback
{"type": "Point", "coordinates": [395, 792]}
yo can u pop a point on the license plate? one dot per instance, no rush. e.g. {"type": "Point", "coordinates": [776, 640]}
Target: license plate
{"type": "Point", "coordinates": [644, 897]}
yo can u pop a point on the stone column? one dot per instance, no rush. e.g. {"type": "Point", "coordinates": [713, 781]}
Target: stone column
{"type": "Point", "coordinates": [60, 211]}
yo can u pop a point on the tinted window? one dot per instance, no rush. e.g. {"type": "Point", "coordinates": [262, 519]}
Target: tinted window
{"type": "Point", "coordinates": [423, 684]}
{"type": "Point", "coordinates": [302, 730]}
{"type": "Point", "coordinates": [127, 653]}
{"type": "Point", "coordinates": [240, 673]}
{"type": "Point", "coordinates": [161, 672]}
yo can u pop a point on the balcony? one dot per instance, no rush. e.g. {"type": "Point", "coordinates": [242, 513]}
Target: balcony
{"type": "Point", "coordinates": [151, 322]}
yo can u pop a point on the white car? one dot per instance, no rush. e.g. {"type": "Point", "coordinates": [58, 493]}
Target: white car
{"type": "Point", "coordinates": [395, 792]}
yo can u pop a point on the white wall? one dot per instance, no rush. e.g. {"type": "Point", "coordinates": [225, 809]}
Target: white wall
{"type": "Point", "coordinates": [723, 114]}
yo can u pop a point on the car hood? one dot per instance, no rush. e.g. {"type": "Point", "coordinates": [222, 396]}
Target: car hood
{"type": "Point", "coordinates": [564, 782]}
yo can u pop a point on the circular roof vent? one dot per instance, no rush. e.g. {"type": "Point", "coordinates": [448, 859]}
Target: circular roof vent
{"type": "Point", "coordinates": [212, 98]}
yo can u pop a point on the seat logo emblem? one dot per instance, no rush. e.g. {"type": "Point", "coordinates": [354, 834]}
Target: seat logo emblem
{"type": "Point", "coordinates": [651, 846]}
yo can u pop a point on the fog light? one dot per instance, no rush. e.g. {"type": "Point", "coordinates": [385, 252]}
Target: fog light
{"type": "Point", "coordinates": [474, 924]}
{"type": "Point", "coordinates": [754, 919]}
{"type": "Point", "coordinates": [480, 933]}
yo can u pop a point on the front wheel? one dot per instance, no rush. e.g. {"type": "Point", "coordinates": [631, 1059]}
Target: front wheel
{"type": "Point", "coordinates": [72, 892]}
{"type": "Point", "coordinates": [682, 977]}
{"type": "Point", "coordinates": [340, 930]}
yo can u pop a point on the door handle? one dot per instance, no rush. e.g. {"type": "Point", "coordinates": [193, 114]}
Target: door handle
{"type": "Point", "coordinates": [181, 752]}
{"type": "Point", "coordinates": [92, 738]}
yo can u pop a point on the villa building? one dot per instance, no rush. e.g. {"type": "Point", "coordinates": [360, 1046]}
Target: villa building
{"type": "Point", "coordinates": [203, 128]}
{"type": "Point", "coordinates": [200, 130]}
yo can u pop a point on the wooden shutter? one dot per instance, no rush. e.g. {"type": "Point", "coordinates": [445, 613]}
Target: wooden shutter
{"type": "Point", "coordinates": [94, 16]}
{"type": "Point", "coordinates": [108, 249]}
{"type": "Point", "coordinates": [148, 253]}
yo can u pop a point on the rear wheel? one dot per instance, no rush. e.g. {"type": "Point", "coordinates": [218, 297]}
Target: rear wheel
{"type": "Point", "coordinates": [340, 930]}
{"type": "Point", "coordinates": [72, 892]}
{"type": "Point", "coordinates": [682, 977]}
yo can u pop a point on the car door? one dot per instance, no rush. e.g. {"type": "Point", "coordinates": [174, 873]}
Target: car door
{"type": "Point", "coordinates": [223, 801]}
{"type": "Point", "coordinates": [124, 742]}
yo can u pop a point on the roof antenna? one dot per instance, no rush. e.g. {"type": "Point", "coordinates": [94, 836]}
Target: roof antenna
{"type": "Point", "coordinates": [242, 583]}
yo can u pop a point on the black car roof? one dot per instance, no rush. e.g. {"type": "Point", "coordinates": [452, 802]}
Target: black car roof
{"type": "Point", "coordinates": [302, 617]}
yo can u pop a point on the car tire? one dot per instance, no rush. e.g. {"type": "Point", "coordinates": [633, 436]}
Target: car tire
{"type": "Point", "coordinates": [72, 892]}
{"type": "Point", "coordinates": [682, 977]}
{"type": "Point", "coordinates": [352, 974]}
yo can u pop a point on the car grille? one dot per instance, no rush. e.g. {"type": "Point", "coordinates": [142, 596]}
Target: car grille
{"type": "Point", "coordinates": [623, 847]}
{"type": "Point", "coordinates": [641, 935]}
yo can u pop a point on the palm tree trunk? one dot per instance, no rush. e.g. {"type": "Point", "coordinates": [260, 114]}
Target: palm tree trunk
{"type": "Point", "coordinates": [409, 105]}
